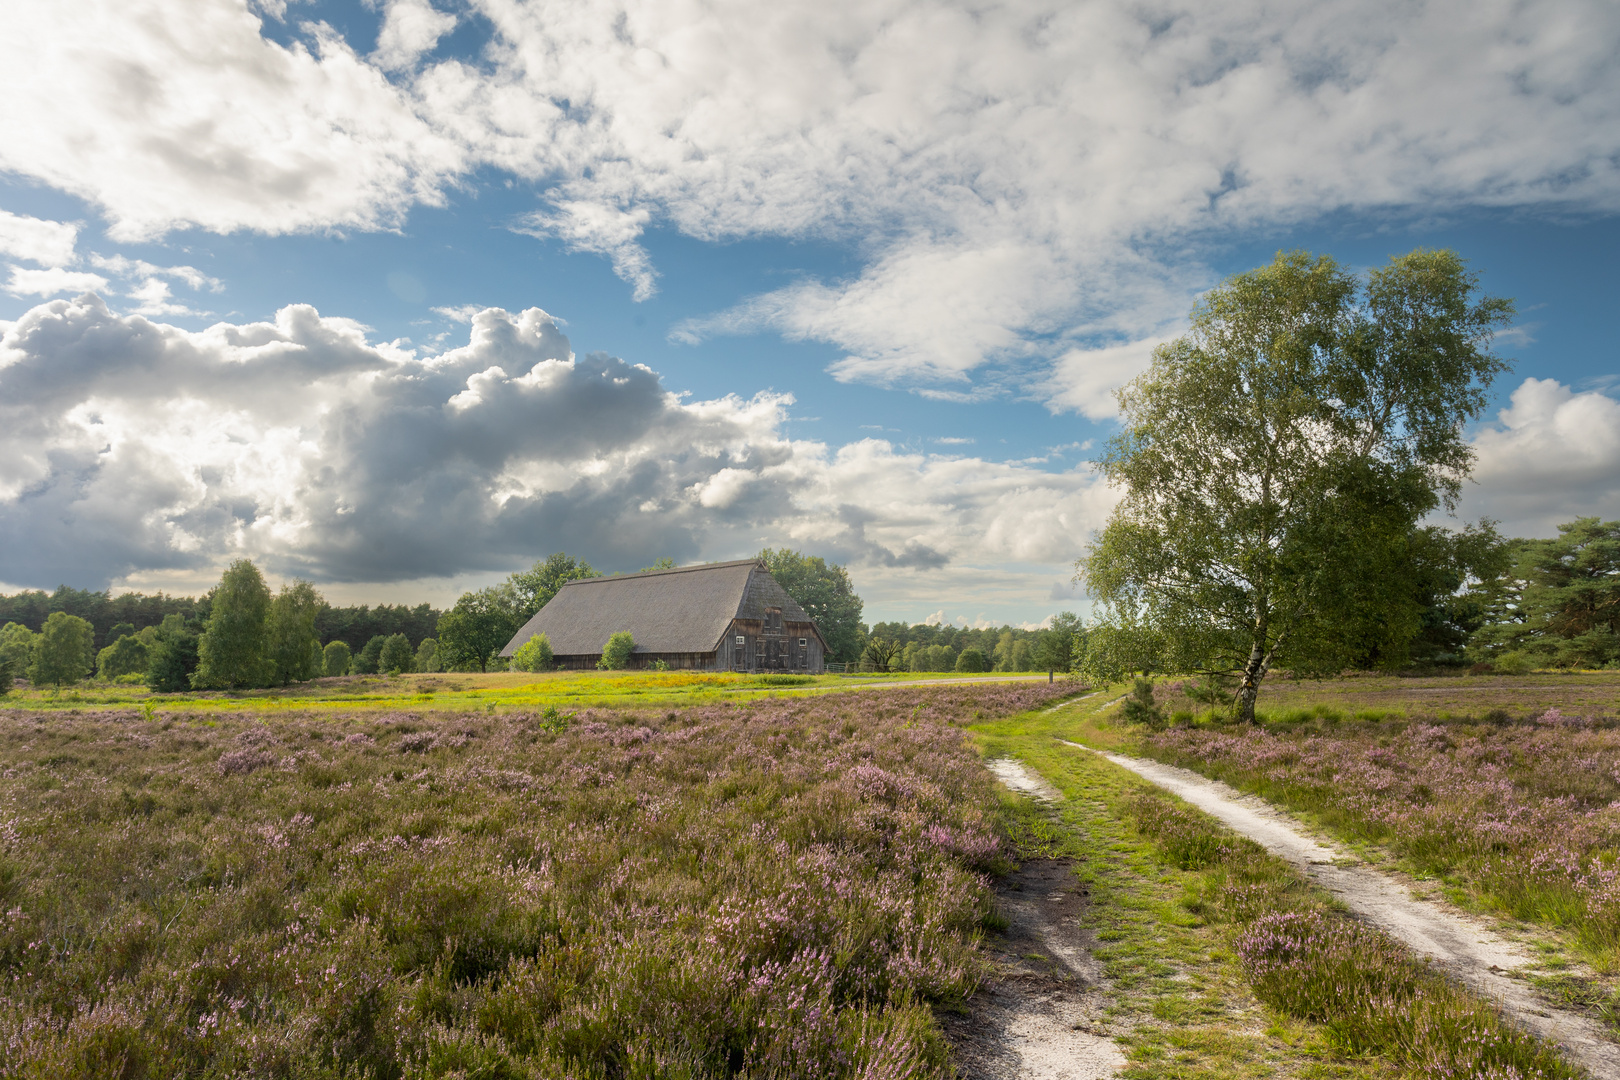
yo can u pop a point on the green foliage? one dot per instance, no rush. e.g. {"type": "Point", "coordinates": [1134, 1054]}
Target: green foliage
{"type": "Point", "coordinates": [1061, 647]}
{"type": "Point", "coordinates": [231, 652]}
{"type": "Point", "coordinates": [533, 655]}
{"type": "Point", "coordinates": [1277, 458]}
{"type": "Point", "coordinates": [664, 563]}
{"type": "Point", "coordinates": [971, 660]}
{"type": "Point", "coordinates": [530, 590]}
{"type": "Point", "coordinates": [427, 655]}
{"type": "Point", "coordinates": [825, 592]}
{"type": "Point", "coordinates": [354, 626]}
{"type": "Point", "coordinates": [1140, 708]}
{"type": "Point", "coordinates": [292, 648]}
{"type": "Point", "coordinates": [336, 659]}
{"type": "Point", "coordinates": [173, 658]}
{"type": "Point", "coordinates": [16, 650]}
{"type": "Point", "coordinates": [1559, 605]}
{"type": "Point", "coordinates": [111, 616]}
{"type": "Point", "coordinates": [616, 652]}
{"type": "Point", "coordinates": [479, 626]}
{"type": "Point", "coordinates": [396, 655]}
{"type": "Point", "coordinates": [369, 659]}
{"type": "Point", "coordinates": [16, 653]}
{"type": "Point", "coordinates": [128, 655]}
{"type": "Point", "coordinates": [64, 652]}
{"type": "Point", "coordinates": [880, 655]}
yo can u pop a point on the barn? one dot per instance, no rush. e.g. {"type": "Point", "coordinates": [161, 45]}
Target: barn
{"type": "Point", "coordinates": [729, 616]}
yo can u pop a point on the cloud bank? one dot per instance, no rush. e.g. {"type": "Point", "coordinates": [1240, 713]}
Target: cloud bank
{"type": "Point", "coordinates": [1030, 183]}
{"type": "Point", "coordinates": [140, 447]}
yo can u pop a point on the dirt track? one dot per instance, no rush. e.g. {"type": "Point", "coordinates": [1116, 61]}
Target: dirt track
{"type": "Point", "coordinates": [1037, 1018]}
{"type": "Point", "coordinates": [1466, 947]}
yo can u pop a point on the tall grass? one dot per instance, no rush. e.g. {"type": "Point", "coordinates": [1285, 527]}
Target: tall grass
{"type": "Point", "coordinates": [782, 889]}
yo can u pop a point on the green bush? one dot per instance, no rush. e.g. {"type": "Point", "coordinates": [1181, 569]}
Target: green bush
{"type": "Point", "coordinates": [125, 656]}
{"type": "Point", "coordinates": [368, 659]}
{"type": "Point", "coordinates": [970, 660]}
{"type": "Point", "coordinates": [1140, 707]}
{"type": "Point", "coordinates": [616, 653]}
{"type": "Point", "coordinates": [396, 655]}
{"type": "Point", "coordinates": [533, 655]}
{"type": "Point", "coordinates": [174, 657]}
{"type": "Point", "coordinates": [427, 655]}
{"type": "Point", "coordinates": [336, 658]}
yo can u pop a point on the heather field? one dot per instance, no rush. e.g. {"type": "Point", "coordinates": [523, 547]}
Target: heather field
{"type": "Point", "coordinates": [784, 887]}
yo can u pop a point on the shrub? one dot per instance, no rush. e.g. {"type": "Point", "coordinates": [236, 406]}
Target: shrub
{"type": "Point", "coordinates": [396, 655]}
{"type": "Point", "coordinates": [427, 655]}
{"type": "Point", "coordinates": [533, 655]}
{"type": "Point", "coordinates": [970, 660]}
{"type": "Point", "coordinates": [173, 659]}
{"type": "Point", "coordinates": [1141, 708]}
{"type": "Point", "coordinates": [368, 659]}
{"type": "Point", "coordinates": [336, 658]}
{"type": "Point", "coordinates": [616, 653]}
{"type": "Point", "coordinates": [125, 656]}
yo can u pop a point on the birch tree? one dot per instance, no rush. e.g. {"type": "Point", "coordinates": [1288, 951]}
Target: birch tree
{"type": "Point", "coordinates": [1275, 460]}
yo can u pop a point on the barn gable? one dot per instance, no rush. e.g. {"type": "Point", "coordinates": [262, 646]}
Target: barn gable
{"type": "Point", "coordinates": [683, 613]}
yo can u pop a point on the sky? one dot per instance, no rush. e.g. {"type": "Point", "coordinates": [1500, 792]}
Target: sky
{"type": "Point", "coordinates": [398, 296]}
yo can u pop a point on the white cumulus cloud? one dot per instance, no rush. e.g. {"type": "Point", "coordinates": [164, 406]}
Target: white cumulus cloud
{"type": "Point", "coordinates": [1028, 186]}
{"type": "Point", "coordinates": [1551, 456]}
{"type": "Point", "coordinates": [146, 450]}
{"type": "Point", "coordinates": [49, 243]}
{"type": "Point", "coordinates": [26, 281]}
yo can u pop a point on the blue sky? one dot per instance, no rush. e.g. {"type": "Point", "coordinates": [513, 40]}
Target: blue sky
{"type": "Point", "coordinates": [867, 275]}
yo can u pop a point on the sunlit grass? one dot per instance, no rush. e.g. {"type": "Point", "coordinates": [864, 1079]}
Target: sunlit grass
{"type": "Point", "coordinates": [472, 691]}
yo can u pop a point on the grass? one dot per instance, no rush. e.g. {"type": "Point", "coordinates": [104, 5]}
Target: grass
{"type": "Point", "coordinates": [1227, 963]}
{"type": "Point", "coordinates": [782, 887]}
{"type": "Point", "coordinates": [470, 691]}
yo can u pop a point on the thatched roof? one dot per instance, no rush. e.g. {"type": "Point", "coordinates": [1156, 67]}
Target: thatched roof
{"type": "Point", "coordinates": [685, 610]}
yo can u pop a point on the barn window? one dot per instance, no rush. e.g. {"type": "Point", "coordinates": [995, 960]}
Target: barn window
{"type": "Point", "coordinates": [741, 640]}
{"type": "Point", "coordinates": [803, 642]}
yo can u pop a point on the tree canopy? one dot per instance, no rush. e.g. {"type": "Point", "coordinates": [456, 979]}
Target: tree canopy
{"type": "Point", "coordinates": [64, 652]}
{"type": "Point", "coordinates": [231, 651]}
{"type": "Point", "coordinates": [1559, 603]}
{"type": "Point", "coordinates": [477, 628]}
{"type": "Point", "coordinates": [1275, 459]}
{"type": "Point", "coordinates": [824, 590]}
{"type": "Point", "coordinates": [532, 589]}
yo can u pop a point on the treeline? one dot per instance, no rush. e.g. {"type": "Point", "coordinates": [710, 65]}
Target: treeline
{"type": "Point", "coordinates": [112, 617]}
{"type": "Point", "coordinates": [896, 646]}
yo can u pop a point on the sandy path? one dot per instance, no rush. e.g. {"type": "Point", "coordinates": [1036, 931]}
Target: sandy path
{"type": "Point", "coordinates": [1038, 1017]}
{"type": "Point", "coordinates": [1467, 948]}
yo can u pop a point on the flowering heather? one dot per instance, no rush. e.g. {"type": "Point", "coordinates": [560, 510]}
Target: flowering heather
{"type": "Point", "coordinates": [1527, 812]}
{"type": "Point", "coordinates": [780, 888]}
{"type": "Point", "coordinates": [1371, 993]}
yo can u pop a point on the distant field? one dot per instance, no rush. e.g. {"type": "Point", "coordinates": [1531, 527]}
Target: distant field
{"type": "Point", "coordinates": [472, 691]}
{"type": "Point", "coordinates": [1457, 696]}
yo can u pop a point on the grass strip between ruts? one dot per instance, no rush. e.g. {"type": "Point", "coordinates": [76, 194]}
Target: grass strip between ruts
{"type": "Point", "coordinates": [1200, 926]}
